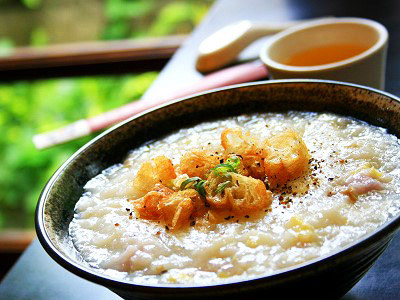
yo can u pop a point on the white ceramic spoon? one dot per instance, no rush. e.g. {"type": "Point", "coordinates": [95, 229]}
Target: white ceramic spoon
{"type": "Point", "coordinates": [224, 45]}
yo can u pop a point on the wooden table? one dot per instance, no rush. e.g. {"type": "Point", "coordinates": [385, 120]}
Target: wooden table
{"type": "Point", "coordinates": [37, 276]}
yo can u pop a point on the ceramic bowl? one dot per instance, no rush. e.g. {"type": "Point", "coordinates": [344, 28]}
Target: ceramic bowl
{"type": "Point", "coordinates": [330, 276]}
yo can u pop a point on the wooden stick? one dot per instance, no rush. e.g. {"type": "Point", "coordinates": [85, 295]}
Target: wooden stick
{"type": "Point", "coordinates": [14, 240]}
{"type": "Point", "coordinates": [86, 53]}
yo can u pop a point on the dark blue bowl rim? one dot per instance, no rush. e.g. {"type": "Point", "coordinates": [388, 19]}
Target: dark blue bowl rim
{"type": "Point", "coordinates": [323, 262]}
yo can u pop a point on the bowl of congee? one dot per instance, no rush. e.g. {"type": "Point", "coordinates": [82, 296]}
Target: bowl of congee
{"type": "Point", "coordinates": [286, 188]}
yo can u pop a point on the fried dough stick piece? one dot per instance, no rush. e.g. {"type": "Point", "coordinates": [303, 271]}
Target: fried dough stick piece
{"type": "Point", "coordinates": [197, 163]}
{"type": "Point", "coordinates": [247, 148]}
{"type": "Point", "coordinates": [159, 170]}
{"type": "Point", "coordinates": [281, 158]}
{"type": "Point", "coordinates": [174, 209]}
{"type": "Point", "coordinates": [147, 207]}
{"type": "Point", "coordinates": [178, 208]}
{"type": "Point", "coordinates": [287, 158]}
{"type": "Point", "coordinates": [243, 196]}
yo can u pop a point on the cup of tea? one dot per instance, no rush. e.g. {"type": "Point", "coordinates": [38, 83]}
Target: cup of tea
{"type": "Point", "coordinates": [343, 49]}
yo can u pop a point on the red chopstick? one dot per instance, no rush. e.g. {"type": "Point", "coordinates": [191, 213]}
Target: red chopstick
{"type": "Point", "coordinates": [237, 74]}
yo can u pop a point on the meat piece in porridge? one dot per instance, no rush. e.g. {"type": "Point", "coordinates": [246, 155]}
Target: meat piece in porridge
{"type": "Point", "coordinates": [362, 181]}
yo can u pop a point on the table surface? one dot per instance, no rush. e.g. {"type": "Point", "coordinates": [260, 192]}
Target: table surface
{"type": "Point", "coordinates": [37, 276]}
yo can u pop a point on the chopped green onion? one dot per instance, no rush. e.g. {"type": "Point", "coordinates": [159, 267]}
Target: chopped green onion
{"type": "Point", "coordinates": [221, 187]}
{"type": "Point", "coordinates": [199, 187]}
{"type": "Point", "coordinates": [222, 169]}
{"type": "Point", "coordinates": [230, 165]}
{"type": "Point", "coordinates": [234, 161]}
{"type": "Point", "coordinates": [187, 181]}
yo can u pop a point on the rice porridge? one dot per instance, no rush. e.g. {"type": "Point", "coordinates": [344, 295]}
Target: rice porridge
{"type": "Point", "coordinates": [339, 181]}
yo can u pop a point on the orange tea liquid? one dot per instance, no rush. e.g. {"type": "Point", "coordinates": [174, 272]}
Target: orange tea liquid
{"type": "Point", "coordinates": [325, 54]}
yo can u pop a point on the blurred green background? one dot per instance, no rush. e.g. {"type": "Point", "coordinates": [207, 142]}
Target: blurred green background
{"type": "Point", "coordinates": [29, 107]}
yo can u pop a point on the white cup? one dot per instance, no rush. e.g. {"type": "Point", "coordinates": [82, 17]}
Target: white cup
{"type": "Point", "coordinates": [365, 68]}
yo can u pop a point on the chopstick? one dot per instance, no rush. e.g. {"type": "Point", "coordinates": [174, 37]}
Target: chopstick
{"type": "Point", "coordinates": [245, 72]}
